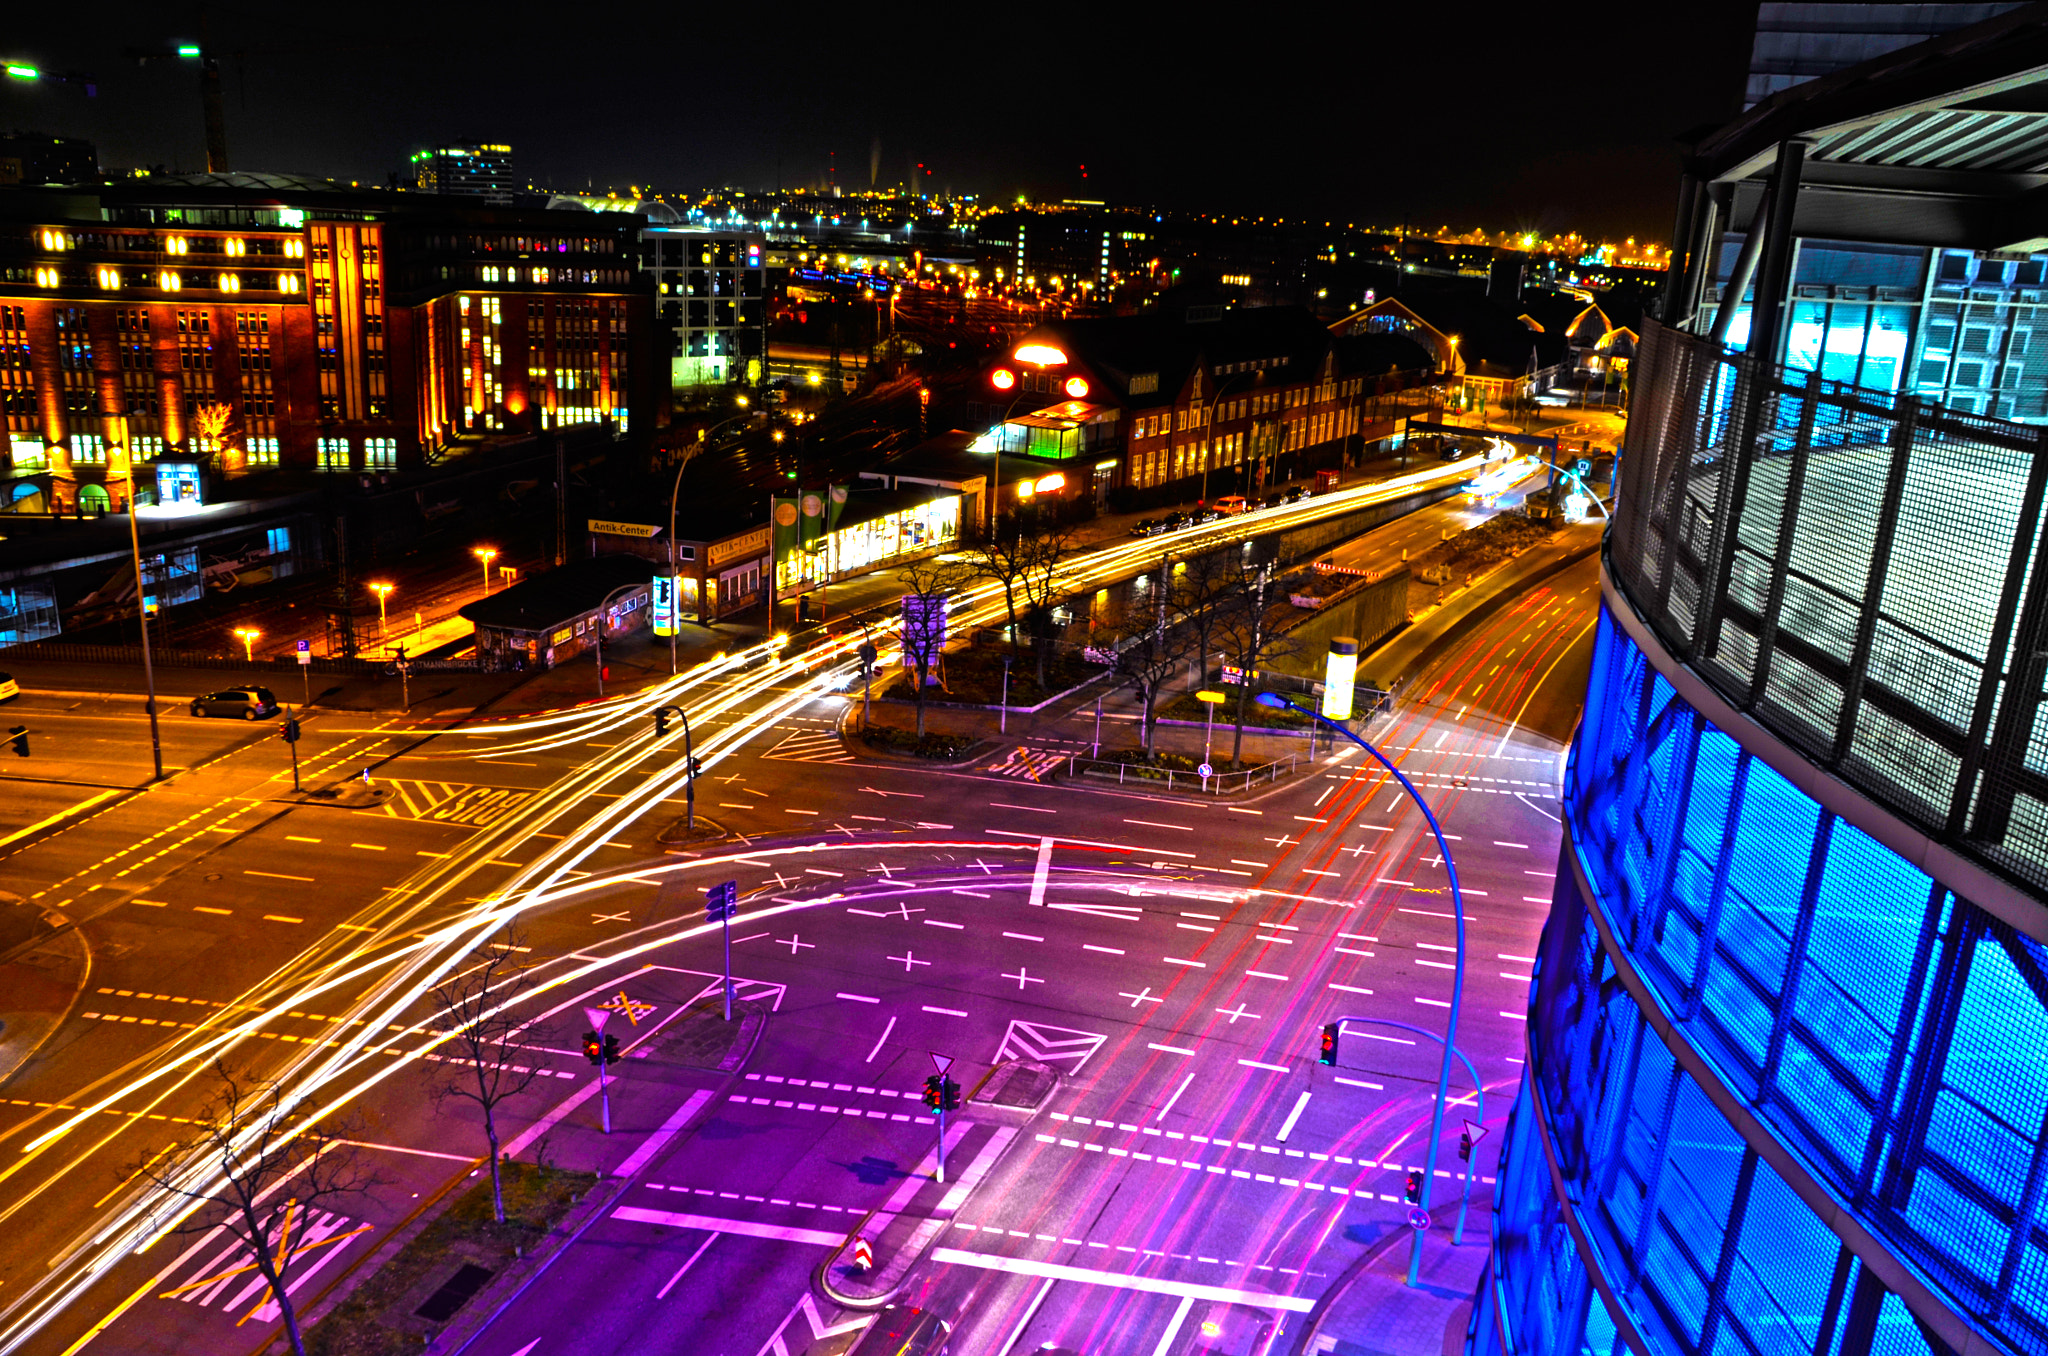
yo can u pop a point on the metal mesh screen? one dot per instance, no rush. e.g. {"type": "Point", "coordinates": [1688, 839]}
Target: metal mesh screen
{"type": "Point", "coordinates": [1857, 571]}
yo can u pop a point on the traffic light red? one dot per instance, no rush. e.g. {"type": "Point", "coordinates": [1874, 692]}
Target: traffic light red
{"type": "Point", "coordinates": [934, 1092]}
{"type": "Point", "coordinates": [1414, 1186]}
{"type": "Point", "coordinates": [1464, 1146]}
{"type": "Point", "coordinates": [1331, 1031]}
{"type": "Point", "coordinates": [593, 1047]}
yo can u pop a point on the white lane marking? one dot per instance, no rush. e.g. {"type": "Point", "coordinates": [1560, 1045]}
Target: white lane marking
{"type": "Point", "coordinates": [1180, 1316]}
{"type": "Point", "coordinates": [518, 1143]}
{"type": "Point", "coordinates": [945, 1012]}
{"type": "Point", "coordinates": [1034, 809]}
{"type": "Point", "coordinates": [1361, 1083]}
{"type": "Point", "coordinates": [1109, 950]}
{"type": "Point", "coordinates": [1025, 1266]}
{"type": "Point", "coordinates": [654, 1143]}
{"type": "Point", "coordinates": [1255, 1064]}
{"type": "Point", "coordinates": [1176, 960]}
{"type": "Point", "coordinates": [1040, 872]}
{"type": "Point", "coordinates": [1526, 960]}
{"type": "Point", "coordinates": [1160, 1119]}
{"type": "Point", "coordinates": [1169, 1049]}
{"type": "Point", "coordinates": [1266, 974]}
{"type": "Point", "coordinates": [1287, 1126]}
{"type": "Point", "coordinates": [1350, 988]}
{"type": "Point", "coordinates": [878, 1041]}
{"type": "Point", "coordinates": [856, 998]}
{"type": "Point", "coordinates": [663, 1292]}
{"type": "Point", "coordinates": [1498, 843]}
{"type": "Point", "coordinates": [1024, 937]}
{"type": "Point", "coordinates": [936, 923]}
{"type": "Point", "coordinates": [634, 1214]}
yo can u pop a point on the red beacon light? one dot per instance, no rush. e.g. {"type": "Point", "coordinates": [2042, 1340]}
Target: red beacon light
{"type": "Point", "coordinates": [1077, 387]}
{"type": "Point", "coordinates": [1002, 378]}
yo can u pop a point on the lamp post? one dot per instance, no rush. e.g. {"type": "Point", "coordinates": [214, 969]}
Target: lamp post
{"type": "Point", "coordinates": [1443, 847]}
{"type": "Point", "coordinates": [382, 591]}
{"type": "Point", "coordinates": [247, 635]}
{"type": "Point", "coordinates": [598, 623]}
{"type": "Point", "coordinates": [486, 554]}
{"type": "Point", "coordinates": [1205, 438]}
{"type": "Point", "coordinates": [156, 746]}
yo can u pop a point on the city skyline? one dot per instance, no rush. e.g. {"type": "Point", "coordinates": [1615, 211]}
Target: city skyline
{"type": "Point", "coordinates": [1537, 129]}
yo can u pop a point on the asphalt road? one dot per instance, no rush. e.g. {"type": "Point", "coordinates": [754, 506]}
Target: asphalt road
{"type": "Point", "coordinates": [1175, 965]}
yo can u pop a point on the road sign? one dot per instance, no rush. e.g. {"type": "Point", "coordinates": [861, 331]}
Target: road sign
{"type": "Point", "coordinates": [863, 1254]}
{"type": "Point", "coordinates": [1585, 467]}
{"type": "Point", "coordinates": [597, 1017]}
{"type": "Point", "coordinates": [1418, 1218]}
{"type": "Point", "coordinates": [1211, 697]}
{"type": "Point", "coordinates": [305, 652]}
{"type": "Point", "coordinates": [942, 1063]}
{"type": "Point", "coordinates": [1206, 770]}
{"type": "Point", "coordinates": [1478, 1132]}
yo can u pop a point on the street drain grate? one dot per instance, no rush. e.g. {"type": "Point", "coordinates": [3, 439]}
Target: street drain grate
{"type": "Point", "coordinates": [459, 1290]}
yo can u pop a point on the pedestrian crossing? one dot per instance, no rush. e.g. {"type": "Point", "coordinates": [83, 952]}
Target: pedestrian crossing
{"type": "Point", "coordinates": [226, 1278]}
{"type": "Point", "coordinates": [1027, 763]}
{"type": "Point", "coordinates": [810, 746]}
{"type": "Point", "coordinates": [460, 803]}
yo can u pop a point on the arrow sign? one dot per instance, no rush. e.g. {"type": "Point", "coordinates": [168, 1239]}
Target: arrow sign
{"type": "Point", "coordinates": [597, 1017]}
{"type": "Point", "coordinates": [941, 1062]}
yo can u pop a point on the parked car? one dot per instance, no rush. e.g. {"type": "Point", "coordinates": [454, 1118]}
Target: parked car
{"type": "Point", "coordinates": [1231, 503]}
{"type": "Point", "coordinates": [903, 1330]}
{"type": "Point", "coordinates": [237, 703]}
{"type": "Point", "coordinates": [1146, 527]}
{"type": "Point", "coordinates": [9, 689]}
{"type": "Point", "coordinates": [1296, 493]}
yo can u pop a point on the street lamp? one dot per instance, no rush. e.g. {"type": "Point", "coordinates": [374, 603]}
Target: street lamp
{"type": "Point", "coordinates": [486, 554]}
{"type": "Point", "coordinates": [156, 746]}
{"type": "Point", "coordinates": [247, 635]}
{"type": "Point", "coordinates": [1443, 847]}
{"type": "Point", "coordinates": [382, 591]}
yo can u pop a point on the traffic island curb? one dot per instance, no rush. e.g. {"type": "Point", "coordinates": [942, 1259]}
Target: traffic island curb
{"type": "Point", "coordinates": [676, 838]}
{"type": "Point", "coordinates": [902, 1239]}
{"type": "Point", "coordinates": [52, 974]}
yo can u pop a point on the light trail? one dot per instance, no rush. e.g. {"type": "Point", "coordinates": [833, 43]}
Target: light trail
{"type": "Point", "coordinates": [402, 968]}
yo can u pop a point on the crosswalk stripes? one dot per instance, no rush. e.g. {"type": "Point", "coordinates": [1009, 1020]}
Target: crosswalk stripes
{"type": "Point", "coordinates": [228, 1279]}
{"type": "Point", "coordinates": [461, 803]}
{"type": "Point", "coordinates": [811, 746]}
{"type": "Point", "coordinates": [1027, 763]}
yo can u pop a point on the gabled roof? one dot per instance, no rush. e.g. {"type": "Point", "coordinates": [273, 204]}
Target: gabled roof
{"type": "Point", "coordinates": [559, 596]}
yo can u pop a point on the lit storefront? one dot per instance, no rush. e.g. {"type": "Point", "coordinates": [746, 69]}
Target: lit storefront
{"type": "Point", "coordinates": [876, 528]}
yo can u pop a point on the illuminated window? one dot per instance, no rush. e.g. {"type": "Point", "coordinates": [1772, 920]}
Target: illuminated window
{"type": "Point", "coordinates": [295, 248]}
{"type": "Point", "coordinates": [235, 247]}
{"type": "Point", "coordinates": [290, 284]}
{"type": "Point", "coordinates": [109, 278]}
{"type": "Point", "coordinates": [46, 277]}
{"type": "Point", "coordinates": [260, 451]}
{"type": "Point", "coordinates": [230, 282]}
{"type": "Point", "coordinates": [177, 244]}
{"type": "Point", "coordinates": [169, 281]}
{"type": "Point", "coordinates": [334, 454]}
{"type": "Point", "coordinates": [380, 453]}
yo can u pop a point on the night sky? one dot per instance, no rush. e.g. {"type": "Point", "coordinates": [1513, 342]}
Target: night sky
{"type": "Point", "coordinates": [1359, 112]}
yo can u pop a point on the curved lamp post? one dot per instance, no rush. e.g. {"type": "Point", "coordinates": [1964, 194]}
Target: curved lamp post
{"type": "Point", "coordinates": [675, 600]}
{"type": "Point", "coordinates": [598, 623]}
{"type": "Point", "coordinates": [1443, 847]}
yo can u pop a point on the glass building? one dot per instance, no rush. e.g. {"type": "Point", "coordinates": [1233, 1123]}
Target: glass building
{"type": "Point", "coordinates": [1787, 1080]}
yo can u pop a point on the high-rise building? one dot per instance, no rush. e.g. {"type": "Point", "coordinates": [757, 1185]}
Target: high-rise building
{"type": "Point", "coordinates": [471, 168]}
{"type": "Point", "coordinates": [710, 302]}
{"type": "Point", "coordinates": [264, 322]}
{"type": "Point", "coordinates": [38, 158]}
{"type": "Point", "coordinates": [1787, 1079]}
{"type": "Point", "coordinates": [1799, 41]}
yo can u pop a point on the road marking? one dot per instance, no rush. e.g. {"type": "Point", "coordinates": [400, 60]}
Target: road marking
{"type": "Point", "coordinates": [299, 838]}
{"type": "Point", "coordinates": [1194, 927]}
{"type": "Point", "coordinates": [857, 998]}
{"type": "Point", "coordinates": [1498, 843]}
{"type": "Point", "coordinates": [945, 1012]}
{"type": "Point", "coordinates": [1236, 811]}
{"type": "Point", "coordinates": [1265, 974]}
{"type": "Point", "coordinates": [1238, 861]}
{"type": "Point", "coordinates": [879, 1041]}
{"type": "Point", "coordinates": [277, 875]}
{"type": "Point", "coordinates": [1153, 824]}
{"type": "Point", "coordinates": [663, 1293]}
{"type": "Point", "coordinates": [201, 908]}
{"type": "Point", "coordinates": [1048, 1044]}
{"type": "Point", "coordinates": [1176, 960]}
{"type": "Point", "coordinates": [1255, 1064]}
{"type": "Point", "coordinates": [1111, 950]}
{"type": "Point", "coordinates": [1180, 1316]}
{"type": "Point", "coordinates": [1025, 1266]}
{"type": "Point", "coordinates": [1024, 937]}
{"type": "Point", "coordinates": [1160, 1119]}
{"type": "Point", "coordinates": [280, 918]}
{"type": "Point", "coordinates": [63, 814]}
{"type": "Point", "coordinates": [1034, 809]}
{"type": "Point", "coordinates": [655, 1142]}
{"type": "Point", "coordinates": [1170, 1049]}
{"type": "Point", "coordinates": [939, 923]}
{"type": "Point", "coordinates": [1361, 1083]}
{"type": "Point", "coordinates": [1041, 872]}
{"type": "Point", "coordinates": [518, 1143]}
{"type": "Point", "coordinates": [1287, 1126]}
{"type": "Point", "coordinates": [1349, 988]}
{"type": "Point", "coordinates": [367, 847]}
{"type": "Point", "coordinates": [634, 1214]}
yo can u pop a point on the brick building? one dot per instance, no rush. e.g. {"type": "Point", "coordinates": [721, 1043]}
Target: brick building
{"type": "Point", "coordinates": [259, 323]}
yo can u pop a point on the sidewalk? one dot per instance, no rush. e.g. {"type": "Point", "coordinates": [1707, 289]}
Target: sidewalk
{"type": "Point", "coordinates": [1376, 1312]}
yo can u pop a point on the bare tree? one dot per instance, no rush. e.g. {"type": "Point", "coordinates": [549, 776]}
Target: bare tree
{"type": "Point", "coordinates": [254, 1162]}
{"type": "Point", "coordinates": [935, 579]}
{"type": "Point", "coordinates": [1246, 631]}
{"type": "Point", "coordinates": [487, 1062]}
{"type": "Point", "coordinates": [1003, 558]}
{"type": "Point", "coordinates": [1151, 642]}
{"type": "Point", "coordinates": [1199, 588]}
{"type": "Point", "coordinates": [1040, 558]}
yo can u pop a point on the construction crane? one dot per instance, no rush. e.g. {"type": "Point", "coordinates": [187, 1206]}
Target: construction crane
{"type": "Point", "coordinates": [209, 89]}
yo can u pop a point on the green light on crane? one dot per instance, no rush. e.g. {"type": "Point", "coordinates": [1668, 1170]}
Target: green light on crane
{"type": "Point", "coordinates": [189, 49]}
{"type": "Point", "coordinates": [23, 72]}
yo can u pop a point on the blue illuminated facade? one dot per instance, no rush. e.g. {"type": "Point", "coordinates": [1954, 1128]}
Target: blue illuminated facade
{"type": "Point", "coordinates": [1787, 1076]}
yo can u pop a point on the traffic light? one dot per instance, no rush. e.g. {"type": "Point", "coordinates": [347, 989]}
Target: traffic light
{"type": "Point", "coordinates": [721, 901]}
{"type": "Point", "coordinates": [289, 731]}
{"type": "Point", "coordinates": [611, 1049]}
{"type": "Point", "coordinates": [696, 766]}
{"type": "Point", "coordinates": [934, 1093]}
{"type": "Point", "coordinates": [949, 1096]}
{"type": "Point", "coordinates": [18, 738]}
{"type": "Point", "coordinates": [1464, 1146]}
{"type": "Point", "coordinates": [1331, 1031]}
{"type": "Point", "coordinates": [1414, 1186]}
{"type": "Point", "coordinates": [593, 1047]}
{"type": "Point", "coordinates": [661, 720]}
